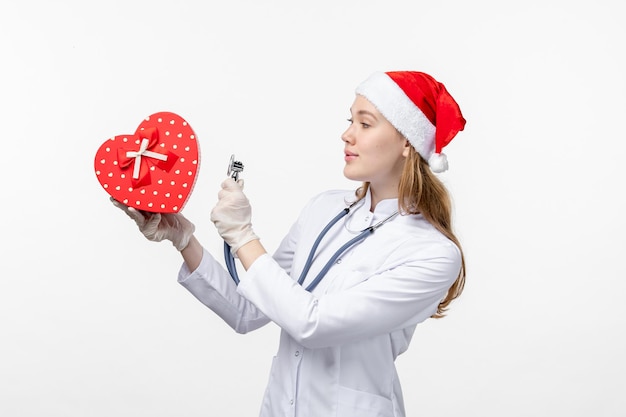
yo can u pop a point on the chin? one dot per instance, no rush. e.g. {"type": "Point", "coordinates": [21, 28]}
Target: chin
{"type": "Point", "coordinates": [351, 175]}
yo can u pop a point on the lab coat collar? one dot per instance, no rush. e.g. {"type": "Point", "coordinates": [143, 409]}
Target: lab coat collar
{"type": "Point", "coordinates": [383, 208]}
{"type": "Point", "coordinates": [362, 217]}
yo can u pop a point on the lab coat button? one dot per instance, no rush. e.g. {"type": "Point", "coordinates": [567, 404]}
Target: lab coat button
{"type": "Point", "coordinates": [297, 353]}
{"type": "Point", "coordinates": [291, 402]}
{"type": "Point", "coordinates": [339, 260]}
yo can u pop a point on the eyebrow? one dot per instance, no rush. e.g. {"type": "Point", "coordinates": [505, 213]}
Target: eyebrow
{"type": "Point", "coordinates": [365, 112]}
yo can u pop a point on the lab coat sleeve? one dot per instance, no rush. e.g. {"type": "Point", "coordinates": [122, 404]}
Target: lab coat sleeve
{"type": "Point", "coordinates": [405, 293]}
{"type": "Point", "coordinates": [286, 250]}
{"type": "Point", "coordinates": [213, 286]}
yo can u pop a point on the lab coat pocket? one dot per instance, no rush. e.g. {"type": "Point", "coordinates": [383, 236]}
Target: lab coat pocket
{"type": "Point", "coordinates": [362, 404]}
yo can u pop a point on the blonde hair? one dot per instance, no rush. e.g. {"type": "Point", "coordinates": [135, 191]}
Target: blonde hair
{"type": "Point", "coordinates": [420, 191]}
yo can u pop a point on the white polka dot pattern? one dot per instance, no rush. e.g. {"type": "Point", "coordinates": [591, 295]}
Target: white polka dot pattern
{"type": "Point", "coordinates": [169, 167]}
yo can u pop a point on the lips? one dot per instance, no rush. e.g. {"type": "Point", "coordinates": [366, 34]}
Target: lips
{"type": "Point", "coordinates": [349, 156]}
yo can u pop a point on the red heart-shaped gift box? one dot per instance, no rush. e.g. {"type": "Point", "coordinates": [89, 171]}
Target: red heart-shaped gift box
{"type": "Point", "coordinates": [153, 169]}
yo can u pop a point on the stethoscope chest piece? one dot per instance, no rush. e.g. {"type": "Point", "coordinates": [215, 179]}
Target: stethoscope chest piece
{"type": "Point", "coordinates": [234, 168]}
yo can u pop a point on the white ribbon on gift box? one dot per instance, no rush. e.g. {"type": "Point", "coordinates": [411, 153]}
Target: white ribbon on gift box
{"type": "Point", "coordinates": [143, 152]}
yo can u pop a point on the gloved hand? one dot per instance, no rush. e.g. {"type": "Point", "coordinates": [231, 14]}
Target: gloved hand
{"type": "Point", "coordinates": [157, 227]}
{"type": "Point", "coordinates": [232, 215]}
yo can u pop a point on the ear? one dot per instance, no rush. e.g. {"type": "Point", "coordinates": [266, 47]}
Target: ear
{"type": "Point", "coordinates": [407, 149]}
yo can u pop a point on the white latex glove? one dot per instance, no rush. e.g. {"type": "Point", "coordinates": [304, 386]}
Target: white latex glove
{"type": "Point", "coordinates": [157, 227]}
{"type": "Point", "coordinates": [232, 215]}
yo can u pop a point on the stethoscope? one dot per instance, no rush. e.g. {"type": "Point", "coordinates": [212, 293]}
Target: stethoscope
{"type": "Point", "coordinates": [235, 167]}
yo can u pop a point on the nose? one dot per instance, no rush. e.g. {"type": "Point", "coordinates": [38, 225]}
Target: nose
{"type": "Point", "coordinates": [347, 136]}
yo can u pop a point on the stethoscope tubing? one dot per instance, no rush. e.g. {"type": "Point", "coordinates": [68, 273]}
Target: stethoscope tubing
{"type": "Point", "coordinates": [365, 233]}
{"type": "Point", "coordinates": [230, 263]}
{"type": "Point", "coordinates": [232, 268]}
{"type": "Point", "coordinates": [309, 261]}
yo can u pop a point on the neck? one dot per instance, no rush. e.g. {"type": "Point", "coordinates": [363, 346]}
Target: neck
{"type": "Point", "coordinates": [377, 195]}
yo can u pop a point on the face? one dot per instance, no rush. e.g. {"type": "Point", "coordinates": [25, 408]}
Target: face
{"type": "Point", "coordinates": [374, 150]}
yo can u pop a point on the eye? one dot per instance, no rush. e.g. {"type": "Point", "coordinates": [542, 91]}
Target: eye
{"type": "Point", "coordinates": [363, 124]}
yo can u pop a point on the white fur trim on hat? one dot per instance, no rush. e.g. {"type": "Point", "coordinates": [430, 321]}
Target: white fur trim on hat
{"type": "Point", "coordinates": [391, 101]}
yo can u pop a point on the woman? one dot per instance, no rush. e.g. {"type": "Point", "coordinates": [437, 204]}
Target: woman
{"type": "Point", "coordinates": [343, 322]}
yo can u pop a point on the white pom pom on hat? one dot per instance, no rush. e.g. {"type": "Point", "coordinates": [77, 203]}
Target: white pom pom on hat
{"type": "Point", "coordinates": [420, 108]}
{"type": "Point", "coordinates": [438, 162]}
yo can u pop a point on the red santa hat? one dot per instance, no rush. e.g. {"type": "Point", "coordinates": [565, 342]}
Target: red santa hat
{"type": "Point", "coordinates": [420, 108]}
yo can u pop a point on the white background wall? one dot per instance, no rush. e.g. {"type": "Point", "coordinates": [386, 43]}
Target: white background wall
{"type": "Point", "coordinates": [92, 321]}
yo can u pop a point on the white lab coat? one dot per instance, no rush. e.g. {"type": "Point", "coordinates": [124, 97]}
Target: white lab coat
{"type": "Point", "coordinates": [338, 344]}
